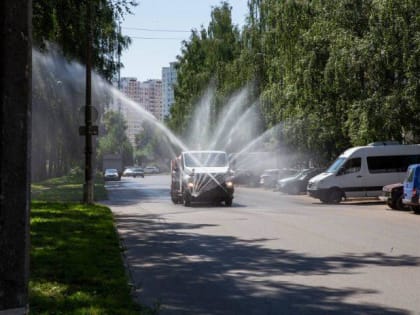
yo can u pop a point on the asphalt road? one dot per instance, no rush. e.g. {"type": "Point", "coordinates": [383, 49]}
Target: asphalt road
{"type": "Point", "coordinates": [269, 253]}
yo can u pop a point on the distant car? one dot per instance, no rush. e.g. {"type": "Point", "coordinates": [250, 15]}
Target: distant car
{"type": "Point", "coordinates": [297, 183]}
{"type": "Point", "coordinates": [111, 174]}
{"type": "Point", "coordinates": [133, 172]}
{"type": "Point", "coordinates": [128, 172]}
{"type": "Point", "coordinates": [393, 194]}
{"type": "Point", "coordinates": [268, 178]}
{"type": "Point", "coordinates": [151, 170]}
{"type": "Point", "coordinates": [137, 171]}
{"type": "Point", "coordinates": [411, 188]}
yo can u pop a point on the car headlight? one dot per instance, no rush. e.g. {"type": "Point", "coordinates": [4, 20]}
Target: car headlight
{"type": "Point", "coordinates": [229, 184]}
{"type": "Point", "coordinates": [190, 185]}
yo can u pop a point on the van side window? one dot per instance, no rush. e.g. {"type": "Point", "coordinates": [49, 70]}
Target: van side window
{"type": "Point", "coordinates": [391, 164]}
{"type": "Point", "coordinates": [352, 166]}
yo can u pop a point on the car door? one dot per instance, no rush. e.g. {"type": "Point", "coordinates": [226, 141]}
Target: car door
{"type": "Point", "coordinates": [349, 177]}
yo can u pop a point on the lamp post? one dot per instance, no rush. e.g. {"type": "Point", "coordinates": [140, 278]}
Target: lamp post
{"type": "Point", "coordinates": [88, 130]}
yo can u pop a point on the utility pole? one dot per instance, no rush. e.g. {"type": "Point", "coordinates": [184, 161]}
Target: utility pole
{"type": "Point", "coordinates": [15, 134]}
{"type": "Point", "coordinates": [88, 186]}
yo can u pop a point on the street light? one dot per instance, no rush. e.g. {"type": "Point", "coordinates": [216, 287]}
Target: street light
{"type": "Point", "coordinates": [88, 130]}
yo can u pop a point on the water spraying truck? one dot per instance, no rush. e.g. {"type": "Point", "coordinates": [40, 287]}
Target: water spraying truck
{"type": "Point", "coordinates": [201, 176]}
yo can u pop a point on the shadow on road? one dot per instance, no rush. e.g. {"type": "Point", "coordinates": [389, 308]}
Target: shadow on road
{"type": "Point", "coordinates": [192, 273]}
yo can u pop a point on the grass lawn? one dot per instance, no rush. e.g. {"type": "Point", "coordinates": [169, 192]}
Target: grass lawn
{"type": "Point", "coordinates": [76, 263]}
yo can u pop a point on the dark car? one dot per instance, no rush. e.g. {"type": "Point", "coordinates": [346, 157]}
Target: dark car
{"type": "Point", "coordinates": [393, 194]}
{"type": "Point", "coordinates": [297, 184]}
{"type": "Point", "coordinates": [246, 177]}
{"type": "Point", "coordinates": [268, 178]}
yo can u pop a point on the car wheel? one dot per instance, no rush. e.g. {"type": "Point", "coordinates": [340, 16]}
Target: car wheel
{"type": "Point", "coordinates": [323, 200]}
{"type": "Point", "coordinates": [391, 205]}
{"type": "Point", "coordinates": [335, 197]}
{"type": "Point", "coordinates": [228, 202]}
{"type": "Point", "coordinates": [294, 190]}
{"type": "Point", "coordinates": [399, 205]}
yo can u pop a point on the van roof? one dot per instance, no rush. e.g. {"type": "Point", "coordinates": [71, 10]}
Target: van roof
{"type": "Point", "coordinates": [401, 149]}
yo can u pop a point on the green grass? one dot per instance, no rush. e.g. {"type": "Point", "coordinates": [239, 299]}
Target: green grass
{"type": "Point", "coordinates": [76, 263]}
{"type": "Point", "coordinates": [66, 188]}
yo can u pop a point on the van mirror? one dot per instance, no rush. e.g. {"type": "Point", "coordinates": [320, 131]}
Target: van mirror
{"type": "Point", "coordinates": [340, 171]}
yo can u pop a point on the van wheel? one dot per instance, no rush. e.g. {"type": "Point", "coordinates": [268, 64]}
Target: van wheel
{"type": "Point", "coordinates": [335, 197]}
{"type": "Point", "coordinates": [187, 200]}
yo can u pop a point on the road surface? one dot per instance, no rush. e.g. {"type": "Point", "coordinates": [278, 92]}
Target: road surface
{"type": "Point", "coordinates": [269, 253]}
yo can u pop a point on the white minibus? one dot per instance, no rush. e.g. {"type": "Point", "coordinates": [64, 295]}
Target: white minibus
{"type": "Point", "coordinates": [363, 171]}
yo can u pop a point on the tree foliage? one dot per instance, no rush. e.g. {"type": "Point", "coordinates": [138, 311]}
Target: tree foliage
{"type": "Point", "coordinates": [335, 74]}
{"type": "Point", "coordinates": [62, 25]}
{"type": "Point", "coordinates": [114, 139]}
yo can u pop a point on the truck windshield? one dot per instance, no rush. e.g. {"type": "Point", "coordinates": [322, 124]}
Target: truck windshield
{"type": "Point", "coordinates": [336, 165]}
{"type": "Point", "coordinates": [205, 159]}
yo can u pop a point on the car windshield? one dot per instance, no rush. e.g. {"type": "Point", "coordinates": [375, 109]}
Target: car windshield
{"type": "Point", "coordinates": [205, 159]}
{"type": "Point", "coordinates": [336, 165]}
{"type": "Point", "coordinates": [111, 171]}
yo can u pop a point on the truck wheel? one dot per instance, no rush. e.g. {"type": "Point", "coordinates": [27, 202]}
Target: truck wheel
{"type": "Point", "coordinates": [187, 200]}
{"type": "Point", "coordinates": [228, 202]}
{"type": "Point", "coordinates": [335, 197]}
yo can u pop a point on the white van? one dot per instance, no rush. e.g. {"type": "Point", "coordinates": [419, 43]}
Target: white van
{"type": "Point", "coordinates": [363, 171]}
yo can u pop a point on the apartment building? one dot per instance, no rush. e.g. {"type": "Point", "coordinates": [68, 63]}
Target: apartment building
{"type": "Point", "coordinates": [131, 88]}
{"type": "Point", "coordinates": [169, 79]}
{"type": "Point", "coordinates": [151, 97]}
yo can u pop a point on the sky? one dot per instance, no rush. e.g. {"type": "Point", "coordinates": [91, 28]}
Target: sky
{"type": "Point", "coordinates": [158, 27]}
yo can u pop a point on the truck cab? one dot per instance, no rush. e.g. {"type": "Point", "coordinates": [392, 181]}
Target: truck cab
{"type": "Point", "coordinates": [201, 176]}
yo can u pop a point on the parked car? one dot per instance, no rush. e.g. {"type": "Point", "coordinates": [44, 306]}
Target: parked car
{"type": "Point", "coordinates": [268, 178]}
{"type": "Point", "coordinates": [297, 184]}
{"type": "Point", "coordinates": [133, 172]}
{"type": "Point", "coordinates": [246, 177]}
{"type": "Point", "coordinates": [412, 188]}
{"type": "Point", "coordinates": [138, 171]}
{"type": "Point", "coordinates": [151, 170]}
{"type": "Point", "coordinates": [111, 174]}
{"type": "Point", "coordinates": [128, 172]}
{"type": "Point", "coordinates": [393, 194]}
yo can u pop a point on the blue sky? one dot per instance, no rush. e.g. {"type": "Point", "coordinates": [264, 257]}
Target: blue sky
{"type": "Point", "coordinates": [145, 57]}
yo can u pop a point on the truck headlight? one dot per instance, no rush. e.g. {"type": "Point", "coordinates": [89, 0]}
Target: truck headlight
{"type": "Point", "coordinates": [190, 185]}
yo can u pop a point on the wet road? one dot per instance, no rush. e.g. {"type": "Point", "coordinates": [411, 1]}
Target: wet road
{"type": "Point", "coordinates": [268, 254]}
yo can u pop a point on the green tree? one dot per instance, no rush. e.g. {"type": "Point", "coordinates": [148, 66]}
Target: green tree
{"type": "Point", "coordinates": [206, 59]}
{"type": "Point", "coordinates": [114, 139]}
